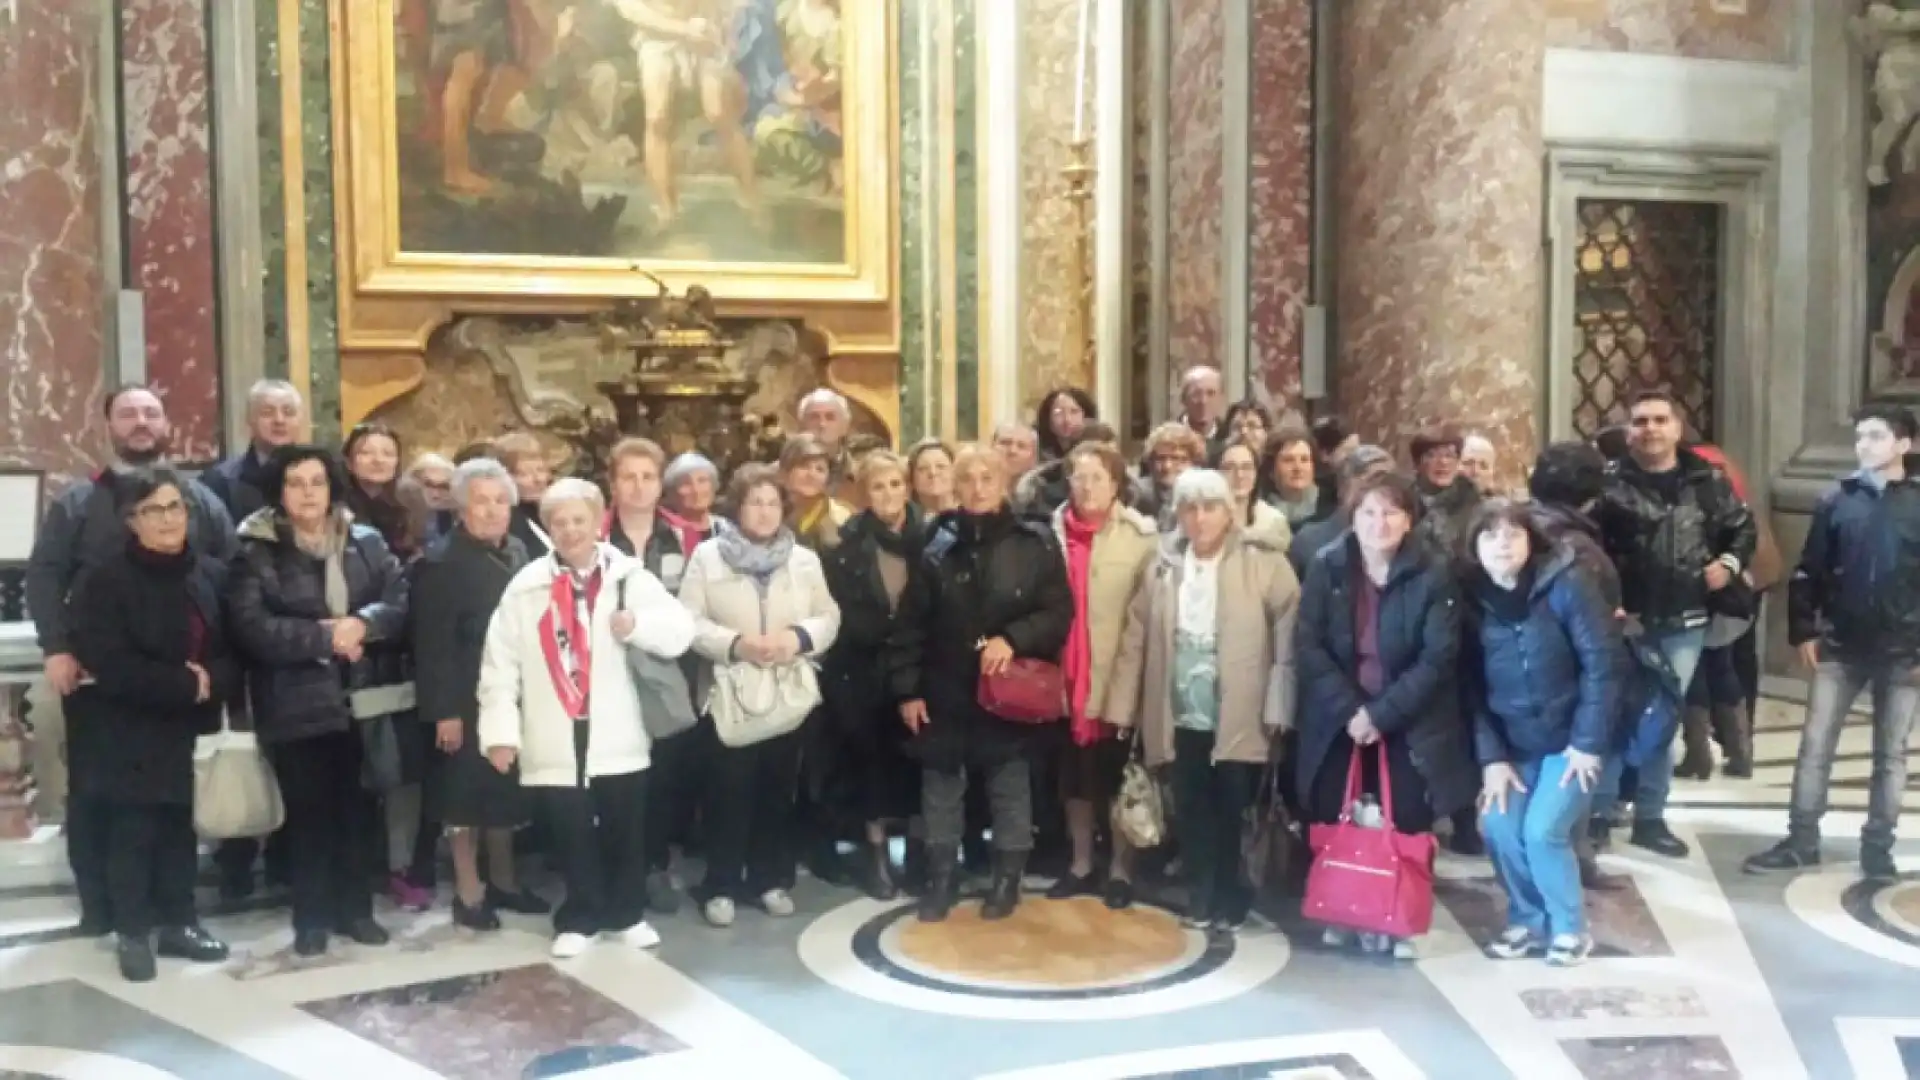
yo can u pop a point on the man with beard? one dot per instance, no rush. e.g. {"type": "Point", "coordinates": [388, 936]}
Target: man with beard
{"type": "Point", "coordinates": [82, 529]}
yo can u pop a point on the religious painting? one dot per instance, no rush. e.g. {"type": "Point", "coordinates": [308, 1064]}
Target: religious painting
{"type": "Point", "coordinates": [708, 131]}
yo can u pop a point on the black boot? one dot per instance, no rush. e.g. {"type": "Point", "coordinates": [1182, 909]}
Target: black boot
{"type": "Point", "coordinates": [1004, 894]}
{"type": "Point", "coordinates": [1696, 733]}
{"type": "Point", "coordinates": [913, 868]}
{"type": "Point", "coordinates": [1733, 726]}
{"type": "Point", "coordinates": [878, 876]}
{"type": "Point", "coordinates": [942, 888]}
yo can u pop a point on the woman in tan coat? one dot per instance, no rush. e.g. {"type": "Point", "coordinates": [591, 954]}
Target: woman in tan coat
{"type": "Point", "coordinates": [1107, 545]}
{"type": "Point", "coordinates": [1205, 672]}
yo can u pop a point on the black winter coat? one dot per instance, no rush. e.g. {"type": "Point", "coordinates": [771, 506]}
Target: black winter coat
{"type": "Point", "coordinates": [131, 730]}
{"type": "Point", "coordinates": [1419, 641]}
{"type": "Point", "coordinates": [276, 601]}
{"type": "Point", "coordinates": [1857, 587]}
{"type": "Point", "coordinates": [1546, 681]}
{"type": "Point", "coordinates": [456, 586]}
{"type": "Point", "coordinates": [853, 676]}
{"type": "Point", "coordinates": [1663, 547]}
{"type": "Point", "coordinates": [1449, 514]}
{"type": "Point", "coordinates": [236, 483]}
{"type": "Point", "coordinates": [981, 576]}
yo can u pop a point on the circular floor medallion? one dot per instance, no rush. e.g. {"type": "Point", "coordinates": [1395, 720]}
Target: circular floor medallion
{"type": "Point", "coordinates": [1053, 960]}
{"type": "Point", "coordinates": [1880, 918]}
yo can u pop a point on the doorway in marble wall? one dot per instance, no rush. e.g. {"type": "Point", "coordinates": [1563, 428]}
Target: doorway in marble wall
{"type": "Point", "coordinates": [1659, 279]}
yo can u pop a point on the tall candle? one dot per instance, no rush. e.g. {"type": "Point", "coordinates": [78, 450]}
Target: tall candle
{"type": "Point", "coordinates": [1080, 73]}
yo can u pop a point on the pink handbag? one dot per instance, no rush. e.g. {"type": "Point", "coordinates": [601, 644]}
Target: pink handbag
{"type": "Point", "coordinates": [1025, 692]}
{"type": "Point", "coordinates": [1374, 880]}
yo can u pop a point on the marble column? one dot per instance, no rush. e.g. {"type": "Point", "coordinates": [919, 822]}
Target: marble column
{"type": "Point", "coordinates": [51, 266]}
{"type": "Point", "coordinates": [168, 184]}
{"type": "Point", "coordinates": [1279, 193]}
{"type": "Point", "coordinates": [1195, 187]}
{"type": "Point", "coordinates": [1438, 223]}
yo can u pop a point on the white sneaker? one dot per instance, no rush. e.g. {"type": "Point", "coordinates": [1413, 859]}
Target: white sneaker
{"type": "Point", "coordinates": [569, 945]}
{"type": "Point", "coordinates": [640, 936]}
{"type": "Point", "coordinates": [777, 903]}
{"type": "Point", "coordinates": [1406, 949]}
{"type": "Point", "coordinates": [719, 911]}
{"type": "Point", "coordinates": [1334, 937]}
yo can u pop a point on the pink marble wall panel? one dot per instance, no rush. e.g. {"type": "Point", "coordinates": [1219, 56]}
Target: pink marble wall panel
{"type": "Point", "coordinates": [1705, 29]}
{"type": "Point", "coordinates": [1195, 141]}
{"type": "Point", "coordinates": [51, 306]}
{"type": "Point", "coordinates": [1280, 195]}
{"type": "Point", "coordinates": [1438, 218]}
{"type": "Point", "coordinates": [170, 214]}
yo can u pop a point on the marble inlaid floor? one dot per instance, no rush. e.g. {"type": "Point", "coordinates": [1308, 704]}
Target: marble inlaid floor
{"type": "Point", "coordinates": [1702, 972]}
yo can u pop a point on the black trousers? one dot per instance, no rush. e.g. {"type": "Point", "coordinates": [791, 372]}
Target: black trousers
{"type": "Point", "coordinates": [598, 829]}
{"type": "Point", "coordinates": [681, 769]}
{"type": "Point", "coordinates": [749, 811]}
{"type": "Point", "coordinates": [329, 817]}
{"type": "Point", "coordinates": [235, 858]}
{"type": "Point", "coordinates": [152, 860]}
{"type": "Point", "coordinates": [1210, 804]}
{"type": "Point", "coordinates": [89, 832]}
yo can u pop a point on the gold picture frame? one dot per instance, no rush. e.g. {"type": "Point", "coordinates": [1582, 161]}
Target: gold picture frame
{"type": "Point", "coordinates": [391, 299]}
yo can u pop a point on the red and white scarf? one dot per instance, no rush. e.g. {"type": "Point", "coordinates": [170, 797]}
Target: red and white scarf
{"type": "Point", "coordinates": [566, 635]}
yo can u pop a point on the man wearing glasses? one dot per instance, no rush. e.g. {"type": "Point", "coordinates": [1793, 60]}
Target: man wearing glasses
{"type": "Point", "coordinates": [82, 529]}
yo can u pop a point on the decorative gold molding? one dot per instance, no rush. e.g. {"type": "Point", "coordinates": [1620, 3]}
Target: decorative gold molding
{"type": "Point", "coordinates": [391, 301]}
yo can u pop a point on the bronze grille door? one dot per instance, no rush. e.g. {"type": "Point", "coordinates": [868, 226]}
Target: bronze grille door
{"type": "Point", "coordinates": [1646, 309]}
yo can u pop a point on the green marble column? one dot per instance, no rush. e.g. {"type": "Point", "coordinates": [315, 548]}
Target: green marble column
{"type": "Point", "coordinates": [919, 386]}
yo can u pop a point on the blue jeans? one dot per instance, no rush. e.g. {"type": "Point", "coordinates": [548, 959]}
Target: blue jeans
{"type": "Point", "coordinates": [1682, 648]}
{"type": "Point", "coordinates": [1531, 844]}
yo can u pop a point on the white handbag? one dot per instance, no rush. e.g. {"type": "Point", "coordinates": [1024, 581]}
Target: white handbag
{"type": "Point", "coordinates": [752, 704]}
{"type": "Point", "coordinates": [235, 794]}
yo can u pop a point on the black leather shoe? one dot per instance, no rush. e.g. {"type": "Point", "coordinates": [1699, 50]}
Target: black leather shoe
{"type": "Point", "coordinates": [1793, 853]}
{"type": "Point", "coordinates": [942, 866]}
{"type": "Point", "coordinates": [1070, 885]}
{"type": "Point", "coordinates": [478, 917]}
{"type": "Point", "coordinates": [364, 931]}
{"type": "Point", "coordinates": [524, 902]}
{"type": "Point", "coordinates": [1657, 838]}
{"type": "Point", "coordinates": [309, 942]}
{"type": "Point", "coordinates": [191, 943]}
{"type": "Point", "coordinates": [1004, 894]}
{"type": "Point", "coordinates": [1117, 894]}
{"type": "Point", "coordinates": [136, 959]}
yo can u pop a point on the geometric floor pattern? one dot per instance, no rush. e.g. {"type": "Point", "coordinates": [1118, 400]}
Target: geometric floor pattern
{"type": "Point", "coordinates": [1702, 971]}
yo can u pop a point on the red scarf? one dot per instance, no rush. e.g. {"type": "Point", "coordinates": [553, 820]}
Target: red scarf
{"type": "Point", "coordinates": [562, 628]}
{"type": "Point", "coordinates": [687, 531]}
{"type": "Point", "coordinates": [1076, 663]}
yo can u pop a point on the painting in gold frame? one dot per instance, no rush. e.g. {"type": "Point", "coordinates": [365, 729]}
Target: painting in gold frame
{"type": "Point", "coordinates": [467, 174]}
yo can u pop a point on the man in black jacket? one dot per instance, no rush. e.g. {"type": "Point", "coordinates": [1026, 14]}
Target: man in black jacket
{"type": "Point", "coordinates": [275, 418]}
{"type": "Point", "coordinates": [1853, 612]}
{"type": "Point", "coordinates": [1679, 535]}
{"type": "Point", "coordinates": [83, 530]}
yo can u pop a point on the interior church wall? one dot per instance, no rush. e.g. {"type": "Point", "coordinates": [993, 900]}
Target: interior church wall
{"type": "Point", "coordinates": [1758, 30]}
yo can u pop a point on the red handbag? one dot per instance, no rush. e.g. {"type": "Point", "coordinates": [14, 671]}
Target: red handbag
{"type": "Point", "coordinates": [1025, 692]}
{"type": "Point", "coordinates": [1374, 880]}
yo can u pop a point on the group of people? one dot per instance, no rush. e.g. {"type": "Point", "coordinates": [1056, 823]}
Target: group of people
{"type": "Point", "coordinates": [790, 663]}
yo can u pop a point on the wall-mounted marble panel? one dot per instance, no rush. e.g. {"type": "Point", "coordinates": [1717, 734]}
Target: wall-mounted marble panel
{"type": "Point", "coordinates": [1280, 192]}
{"type": "Point", "coordinates": [1704, 29]}
{"type": "Point", "coordinates": [1195, 157]}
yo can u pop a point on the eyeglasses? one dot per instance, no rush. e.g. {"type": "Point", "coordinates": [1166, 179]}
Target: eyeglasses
{"type": "Point", "coordinates": [1172, 459]}
{"type": "Point", "coordinates": [1237, 469]}
{"type": "Point", "coordinates": [162, 511]}
{"type": "Point", "coordinates": [437, 485]}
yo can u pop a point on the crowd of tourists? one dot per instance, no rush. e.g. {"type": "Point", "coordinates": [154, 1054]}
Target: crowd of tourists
{"type": "Point", "coordinates": [957, 654]}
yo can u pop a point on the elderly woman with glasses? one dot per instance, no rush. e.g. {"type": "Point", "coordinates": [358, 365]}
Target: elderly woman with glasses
{"type": "Point", "coordinates": [312, 595]}
{"type": "Point", "coordinates": [149, 629]}
{"type": "Point", "coordinates": [457, 586]}
{"type": "Point", "coordinates": [990, 587]}
{"type": "Point", "coordinates": [1205, 674]}
{"type": "Point", "coordinates": [1172, 448]}
{"type": "Point", "coordinates": [557, 701]}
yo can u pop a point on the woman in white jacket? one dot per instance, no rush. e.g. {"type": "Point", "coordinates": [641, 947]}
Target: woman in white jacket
{"type": "Point", "coordinates": [758, 598]}
{"type": "Point", "coordinates": [556, 696]}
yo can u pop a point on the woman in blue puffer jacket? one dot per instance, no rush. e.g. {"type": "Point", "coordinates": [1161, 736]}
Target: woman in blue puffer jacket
{"type": "Point", "coordinates": [1542, 681]}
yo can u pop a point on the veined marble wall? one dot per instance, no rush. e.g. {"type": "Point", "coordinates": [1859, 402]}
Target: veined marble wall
{"type": "Point", "coordinates": [170, 213]}
{"type": "Point", "coordinates": [1703, 29]}
{"type": "Point", "coordinates": [1049, 31]}
{"type": "Point", "coordinates": [1438, 219]}
{"type": "Point", "coordinates": [1196, 139]}
{"type": "Point", "coordinates": [1280, 193]}
{"type": "Point", "coordinates": [52, 306]}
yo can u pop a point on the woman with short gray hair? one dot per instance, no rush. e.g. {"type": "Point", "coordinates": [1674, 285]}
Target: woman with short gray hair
{"type": "Point", "coordinates": [1205, 676]}
{"type": "Point", "coordinates": [457, 585]}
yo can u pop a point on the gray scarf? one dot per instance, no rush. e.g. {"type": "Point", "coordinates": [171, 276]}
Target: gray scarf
{"type": "Point", "coordinates": [756, 560]}
{"type": "Point", "coordinates": [332, 549]}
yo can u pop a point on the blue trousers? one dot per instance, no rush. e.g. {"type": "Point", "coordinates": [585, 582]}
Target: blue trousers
{"type": "Point", "coordinates": [1531, 844]}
